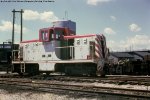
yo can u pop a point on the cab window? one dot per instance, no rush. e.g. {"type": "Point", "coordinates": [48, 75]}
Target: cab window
{"type": "Point", "coordinates": [51, 34]}
{"type": "Point", "coordinates": [58, 34]}
{"type": "Point", "coordinates": [45, 35]}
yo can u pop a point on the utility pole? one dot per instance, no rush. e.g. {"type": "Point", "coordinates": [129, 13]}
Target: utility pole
{"type": "Point", "coordinates": [13, 29]}
{"type": "Point", "coordinates": [21, 31]}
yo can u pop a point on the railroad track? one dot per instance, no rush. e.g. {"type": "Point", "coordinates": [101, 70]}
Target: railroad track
{"type": "Point", "coordinates": [119, 80]}
{"type": "Point", "coordinates": [50, 86]}
{"type": "Point", "coordinates": [145, 80]}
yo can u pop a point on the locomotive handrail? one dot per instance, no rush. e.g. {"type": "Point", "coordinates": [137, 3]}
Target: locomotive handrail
{"type": "Point", "coordinates": [74, 46]}
{"type": "Point", "coordinates": [15, 55]}
{"type": "Point", "coordinates": [91, 50]}
{"type": "Point", "coordinates": [15, 50]}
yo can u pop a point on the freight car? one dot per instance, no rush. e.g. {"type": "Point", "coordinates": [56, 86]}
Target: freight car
{"type": "Point", "coordinates": [59, 49]}
{"type": "Point", "coordinates": [5, 55]}
{"type": "Point", "coordinates": [129, 63]}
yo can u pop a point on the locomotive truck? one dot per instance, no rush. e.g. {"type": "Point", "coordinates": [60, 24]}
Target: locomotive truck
{"type": "Point", "coordinates": [59, 49]}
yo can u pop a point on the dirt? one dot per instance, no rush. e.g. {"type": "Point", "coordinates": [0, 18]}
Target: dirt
{"type": "Point", "coordinates": [17, 93]}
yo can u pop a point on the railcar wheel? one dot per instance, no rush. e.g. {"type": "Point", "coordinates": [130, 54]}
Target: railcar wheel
{"type": "Point", "coordinates": [21, 74]}
{"type": "Point", "coordinates": [47, 73]}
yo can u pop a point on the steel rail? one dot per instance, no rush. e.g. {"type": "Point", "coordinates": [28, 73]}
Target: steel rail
{"type": "Point", "coordinates": [45, 86]}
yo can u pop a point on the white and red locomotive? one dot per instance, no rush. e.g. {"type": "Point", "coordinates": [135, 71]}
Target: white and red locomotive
{"type": "Point", "coordinates": [59, 49]}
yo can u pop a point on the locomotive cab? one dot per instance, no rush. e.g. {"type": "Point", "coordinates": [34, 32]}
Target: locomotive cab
{"type": "Point", "coordinates": [55, 37]}
{"type": "Point", "coordinates": [53, 33]}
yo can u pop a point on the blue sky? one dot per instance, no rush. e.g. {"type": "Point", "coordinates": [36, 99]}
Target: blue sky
{"type": "Point", "coordinates": [125, 23]}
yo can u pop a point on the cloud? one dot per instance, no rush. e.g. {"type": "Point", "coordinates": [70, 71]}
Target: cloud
{"type": "Point", "coordinates": [111, 44]}
{"type": "Point", "coordinates": [134, 28]}
{"type": "Point", "coordinates": [137, 42]}
{"type": "Point", "coordinates": [6, 26]}
{"type": "Point", "coordinates": [47, 16]}
{"type": "Point", "coordinates": [109, 31]}
{"type": "Point", "coordinates": [30, 15]}
{"type": "Point", "coordinates": [95, 2]}
{"type": "Point", "coordinates": [113, 18]}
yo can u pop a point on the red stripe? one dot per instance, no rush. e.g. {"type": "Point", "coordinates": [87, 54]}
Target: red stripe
{"type": "Point", "coordinates": [78, 36]}
{"type": "Point", "coordinates": [98, 53]}
{"type": "Point", "coordinates": [99, 37]}
{"type": "Point", "coordinates": [98, 46]}
{"type": "Point", "coordinates": [30, 41]}
{"type": "Point", "coordinates": [97, 40]}
{"type": "Point", "coordinates": [96, 56]}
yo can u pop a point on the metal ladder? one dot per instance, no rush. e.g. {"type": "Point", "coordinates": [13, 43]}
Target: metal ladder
{"type": "Point", "coordinates": [22, 67]}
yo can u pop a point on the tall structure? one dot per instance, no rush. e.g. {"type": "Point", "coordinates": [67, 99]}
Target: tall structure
{"type": "Point", "coordinates": [13, 29]}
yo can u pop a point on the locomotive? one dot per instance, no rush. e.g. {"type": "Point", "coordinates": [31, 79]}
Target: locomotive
{"type": "Point", "coordinates": [59, 49]}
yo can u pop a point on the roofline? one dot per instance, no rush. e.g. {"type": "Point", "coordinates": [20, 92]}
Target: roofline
{"type": "Point", "coordinates": [29, 41]}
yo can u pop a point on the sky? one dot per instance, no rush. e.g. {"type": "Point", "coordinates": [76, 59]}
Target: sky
{"type": "Point", "coordinates": [124, 23]}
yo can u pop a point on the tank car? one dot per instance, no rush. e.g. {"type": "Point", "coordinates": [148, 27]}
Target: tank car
{"type": "Point", "coordinates": [59, 49]}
